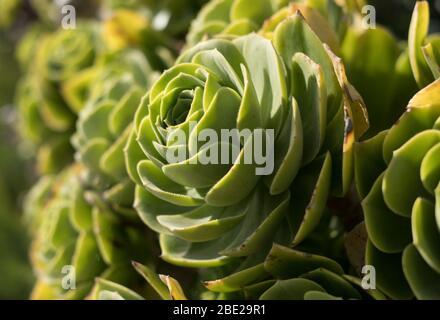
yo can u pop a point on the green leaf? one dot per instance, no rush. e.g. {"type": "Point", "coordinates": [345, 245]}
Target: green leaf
{"type": "Point", "coordinates": [381, 222]}
{"type": "Point", "coordinates": [423, 280]}
{"type": "Point", "coordinates": [289, 153]}
{"type": "Point", "coordinates": [267, 75]}
{"type": "Point", "coordinates": [418, 31]}
{"type": "Point", "coordinates": [309, 197]}
{"type": "Point", "coordinates": [333, 284]}
{"type": "Point", "coordinates": [294, 35]}
{"type": "Point", "coordinates": [309, 90]}
{"type": "Point", "coordinates": [285, 263]}
{"type": "Point", "coordinates": [425, 232]}
{"type": "Point", "coordinates": [238, 280]}
{"type": "Point", "coordinates": [203, 223]}
{"type": "Point", "coordinates": [292, 289]}
{"type": "Point", "coordinates": [107, 290]}
{"type": "Point", "coordinates": [390, 278]}
{"type": "Point", "coordinates": [254, 10]}
{"type": "Point", "coordinates": [407, 159]}
{"type": "Point", "coordinates": [156, 182]}
{"type": "Point", "coordinates": [153, 279]}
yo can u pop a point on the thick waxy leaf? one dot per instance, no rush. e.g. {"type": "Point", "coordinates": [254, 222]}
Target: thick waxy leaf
{"type": "Point", "coordinates": [86, 259]}
{"type": "Point", "coordinates": [369, 163]}
{"type": "Point", "coordinates": [289, 152]}
{"type": "Point", "coordinates": [407, 159]}
{"type": "Point", "coordinates": [373, 293]}
{"type": "Point", "coordinates": [314, 18]}
{"type": "Point", "coordinates": [318, 295]}
{"type": "Point", "coordinates": [153, 279]}
{"type": "Point", "coordinates": [430, 169]}
{"type": "Point", "coordinates": [156, 182]}
{"type": "Point", "coordinates": [309, 90]}
{"type": "Point", "coordinates": [425, 232]}
{"type": "Point", "coordinates": [389, 275]}
{"type": "Point", "coordinates": [423, 280]}
{"type": "Point", "coordinates": [417, 34]}
{"type": "Point", "coordinates": [381, 222]}
{"type": "Point", "coordinates": [285, 263]}
{"type": "Point", "coordinates": [186, 254]}
{"type": "Point", "coordinates": [309, 193]}
{"type": "Point", "coordinates": [174, 288]}
{"type": "Point", "coordinates": [333, 283]}
{"type": "Point", "coordinates": [250, 9]}
{"type": "Point", "coordinates": [431, 52]}
{"type": "Point", "coordinates": [262, 219]}
{"type": "Point", "coordinates": [418, 118]}
{"type": "Point", "coordinates": [267, 76]}
{"type": "Point", "coordinates": [294, 35]}
{"type": "Point", "coordinates": [204, 223]}
{"type": "Point", "coordinates": [107, 290]}
{"type": "Point", "coordinates": [292, 289]}
{"type": "Point", "coordinates": [238, 280]}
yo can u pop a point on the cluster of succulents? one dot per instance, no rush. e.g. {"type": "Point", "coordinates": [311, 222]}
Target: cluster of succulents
{"type": "Point", "coordinates": [354, 114]}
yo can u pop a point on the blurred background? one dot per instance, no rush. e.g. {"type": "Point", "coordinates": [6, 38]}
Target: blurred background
{"type": "Point", "coordinates": [16, 170]}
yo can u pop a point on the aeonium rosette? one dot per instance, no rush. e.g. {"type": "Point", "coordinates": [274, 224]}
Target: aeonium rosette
{"type": "Point", "coordinates": [75, 240]}
{"type": "Point", "coordinates": [287, 96]}
{"type": "Point", "coordinates": [48, 108]}
{"type": "Point", "coordinates": [116, 84]}
{"type": "Point", "coordinates": [232, 18]}
{"type": "Point", "coordinates": [398, 177]}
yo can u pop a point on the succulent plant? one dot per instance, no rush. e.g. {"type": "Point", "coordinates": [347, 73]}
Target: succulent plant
{"type": "Point", "coordinates": [116, 85]}
{"type": "Point", "coordinates": [71, 230]}
{"type": "Point", "coordinates": [48, 110]}
{"type": "Point", "coordinates": [248, 168]}
{"type": "Point", "coordinates": [229, 18]}
{"type": "Point", "coordinates": [211, 215]}
{"type": "Point", "coordinates": [398, 177]}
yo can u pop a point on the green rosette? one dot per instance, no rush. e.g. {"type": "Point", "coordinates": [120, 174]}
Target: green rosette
{"type": "Point", "coordinates": [232, 18]}
{"type": "Point", "coordinates": [48, 109]}
{"type": "Point", "coordinates": [398, 177]}
{"type": "Point", "coordinates": [116, 85]}
{"type": "Point", "coordinates": [211, 215]}
{"type": "Point", "coordinates": [77, 237]}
